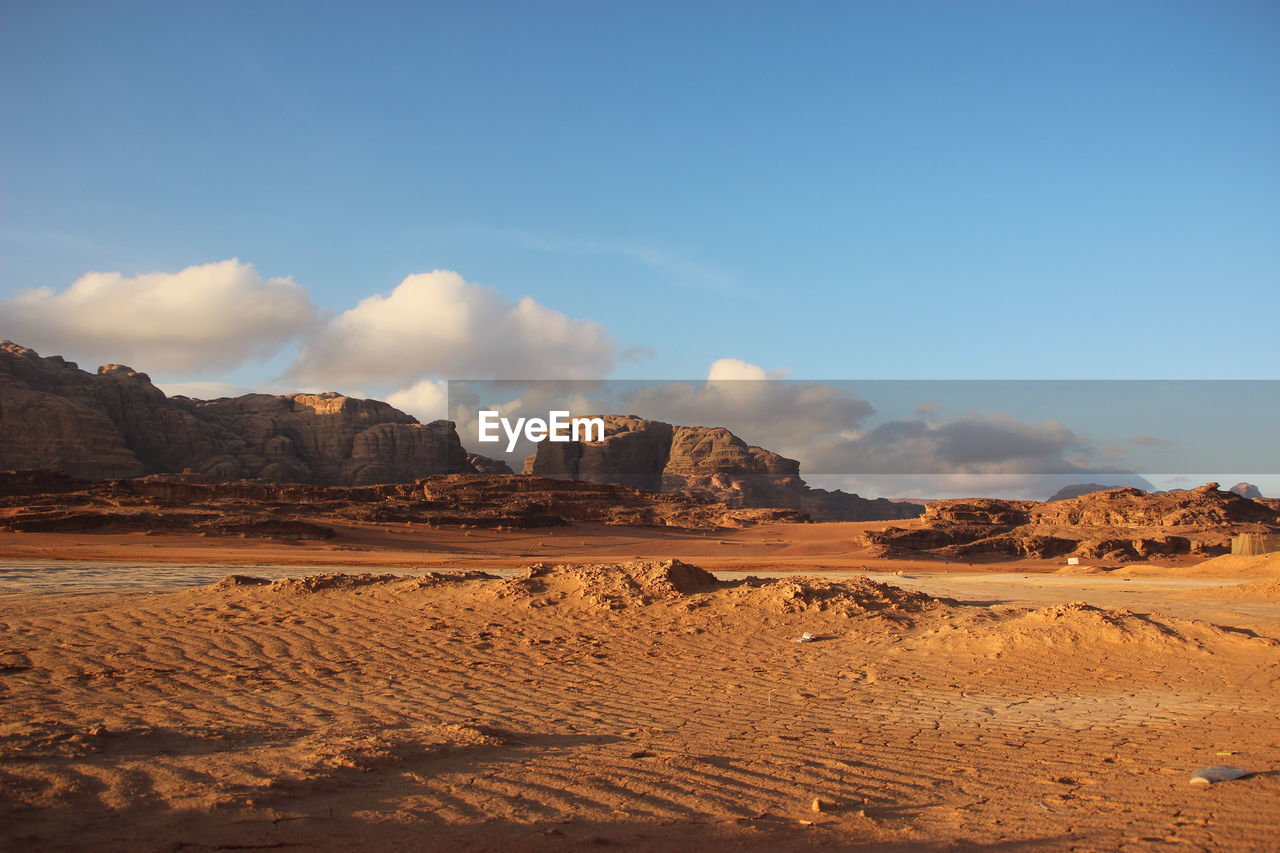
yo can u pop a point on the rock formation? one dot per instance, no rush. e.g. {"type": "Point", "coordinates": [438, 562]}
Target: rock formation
{"type": "Point", "coordinates": [44, 502]}
{"type": "Point", "coordinates": [485, 465]}
{"type": "Point", "coordinates": [1246, 490]}
{"type": "Point", "coordinates": [1066, 493]}
{"type": "Point", "coordinates": [706, 462]}
{"type": "Point", "coordinates": [117, 424]}
{"type": "Point", "coordinates": [1116, 524]}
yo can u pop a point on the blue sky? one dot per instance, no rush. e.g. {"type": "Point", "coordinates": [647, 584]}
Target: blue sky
{"type": "Point", "coordinates": [825, 190]}
{"type": "Point", "coordinates": [843, 190]}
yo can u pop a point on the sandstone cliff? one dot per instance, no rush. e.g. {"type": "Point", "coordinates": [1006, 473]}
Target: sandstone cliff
{"type": "Point", "coordinates": [706, 462]}
{"type": "Point", "coordinates": [1116, 524]}
{"type": "Point", "coordinates": [117, 424]}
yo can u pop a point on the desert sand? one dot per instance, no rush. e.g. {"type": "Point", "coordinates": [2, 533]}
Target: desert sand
{"type": "Point", "coordinates": [826, 546]}
{"type": "Point", "coordinates": [614, 697]}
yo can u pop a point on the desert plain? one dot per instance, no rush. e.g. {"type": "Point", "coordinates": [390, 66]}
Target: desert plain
{"type": "Point", "coordinates": [402, 686]}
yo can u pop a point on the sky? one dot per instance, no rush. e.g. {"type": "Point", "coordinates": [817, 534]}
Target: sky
{"type": "Point", "coordinates": [367, 196]}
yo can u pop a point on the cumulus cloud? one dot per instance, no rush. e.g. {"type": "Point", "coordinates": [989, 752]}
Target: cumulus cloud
{"type": "Point", "coordinates": [438, 324]}
{"type": "Point", "coordinates": [835, 433]}
{"type": "Point", "coordinates": [974, 444]}
{"type": "Point", "coordinates": [204, 318]}
{"type": "Point", "coordinates": [427, 400]}
{"type": "Point", "coordinates": [755, 404]}
{"type": "Point", "coordinates": [737, 395]}
{"type": "Point", "coordinates": [734, 368]}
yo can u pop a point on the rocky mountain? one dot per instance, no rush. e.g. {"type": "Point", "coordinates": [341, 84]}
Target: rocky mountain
{"type": "Point", "coordinates": [116, 424]}
{"type": "Point", "coordinates": [1115, 524]}
{"type": "Point", "coordinates": [1246, 490]}
{"type": "Point", "coordinates": [705, 462]}
{"type": "Point", "coordinates": [1066, 493]}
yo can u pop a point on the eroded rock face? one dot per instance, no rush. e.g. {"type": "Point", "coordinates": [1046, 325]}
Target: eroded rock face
{"type": "Point", "coordinates": [706, 462]}
{"type": "Point", "coordinates": [1246, 490]}
{"type": "Point", "coordinates": [116, 424]}
{"type": "Point", "coordinates": [1116, 524]}
{"type": "Point", "coordinates": [634, 453]}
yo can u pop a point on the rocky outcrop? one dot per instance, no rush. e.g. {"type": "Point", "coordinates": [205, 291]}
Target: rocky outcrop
{"type": "Point", "coordinates": [1246, 490]}
{"type": "Point", "coordinates": [1066, 493]}
{"type": "Point", "coordinates": [117, 424]}
{"type": "Point", "coordinates": [1115, 524]}
{"type": "Point", "coordinates": [485, 465]}
{"type": "Point", "coordinates": [705, 462]}
{"type": "Point", "coordinates": [195, 504]}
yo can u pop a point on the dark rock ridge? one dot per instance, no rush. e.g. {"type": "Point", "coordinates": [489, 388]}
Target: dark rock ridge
{"type": "Point", "coordinates": [1115, 524]}
{"type": "Point", "coordinates": [47, 501]}
{"type": "Point", "coordinates": [485, 465]}
{"type": "Point", "coordinates": [706, 462]}
{"type": "Point", "coordinates": [117, 424]}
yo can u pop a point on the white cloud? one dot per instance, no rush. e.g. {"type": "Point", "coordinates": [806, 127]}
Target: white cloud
{"type": "Point", "coordinates": [733, 368]}
{"type": "Point", "coordinates": [209, 317]}
{"type": "Point", "coordinates": [438, 324]}
{"type": "Point", "coordinates": [427, 400]}
{"type": "Point", "coordinates": [975, 444]}
{"type": "Point", "coordinates": [754, 404]}
{"type": "Point", "coordinates": [205, 317]}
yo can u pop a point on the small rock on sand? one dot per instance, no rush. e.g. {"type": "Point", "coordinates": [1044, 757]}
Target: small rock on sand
{"type": "Point", "coordinates": [1217, 773]}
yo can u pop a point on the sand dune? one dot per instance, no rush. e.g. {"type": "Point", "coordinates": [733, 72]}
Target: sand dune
{"type": "Point", "coordinates": [1226, 566]}
{"type": "Point", "coordinates": [643, 705]}
{"type": "Point", "coordinates": [1263, 590]}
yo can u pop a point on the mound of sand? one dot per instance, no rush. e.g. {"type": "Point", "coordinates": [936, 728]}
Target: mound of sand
{"type": "Point", "coordinates": [612, 585]}
{"type": "Point", "coordinates": [237, 581]}
{"type": "Point", "coordinates": [369, 748]}
{"type": "Point", "coordinates": [1267, 589]}
{"type": "Point", "coordinates": [331, 581]}
{"type": "Point", "coordinates": [338, 582]}
{"type": "Point", "coordinates": [1236, 566]}
{"type": "Point", "coordinates": [855, 596]}
{"type": "Point", "coordinates": [434, 579]}
{"type": "Point", "coordinates": [1228, 566]}
{"type": "Point", "coordinates": [1079, 627]}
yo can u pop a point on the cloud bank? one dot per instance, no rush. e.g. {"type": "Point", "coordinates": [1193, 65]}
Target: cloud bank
{"type": "Point", "coordinates": [438, 324]}
{"type": "Point", "coordinates": [838, 436]}
{"type": "Point", "coordinates": [219, 316]}
{"type": "Point", "coordinates": [202, 319]}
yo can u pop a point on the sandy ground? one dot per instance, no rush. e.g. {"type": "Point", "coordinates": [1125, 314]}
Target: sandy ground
{"type": "Point", "coordinates": [783, 547]}
{"type": "Point", "coordinates": [588, 708]}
